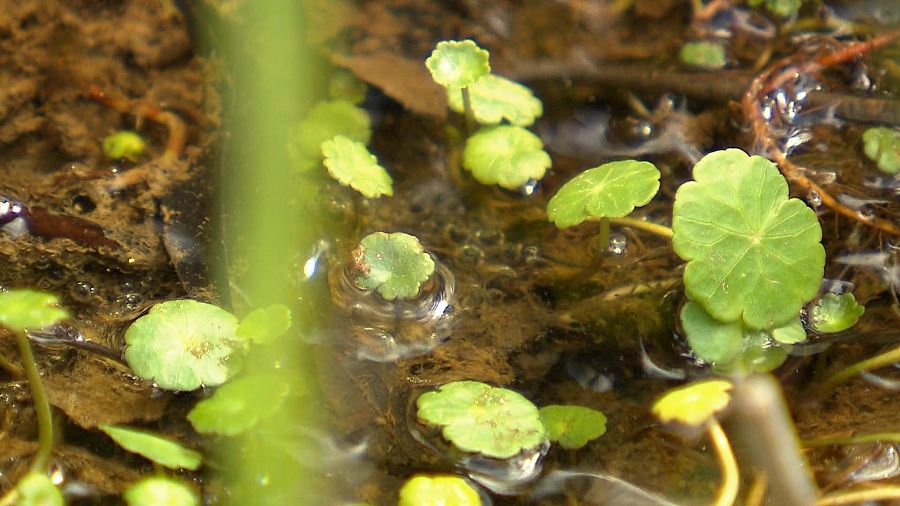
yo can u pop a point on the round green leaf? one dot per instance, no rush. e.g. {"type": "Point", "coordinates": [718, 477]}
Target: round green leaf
{"type": "Point", "coordinates": [29, 309]}
{"type": "Point", "coordinates": [394, 265]}
{"type": "Point", "coordinates": [836, 313]}
{"type": "Point", "coordinates": [36, 489]}
{"type": "Point", "coordinates": [693, 404]}
{"type": "Point", "coordinates": [163, 451]}
{"type": "Point", "coordinates": [238, 405]}
{"type": "Point", "coordinates": [572, 426]}
{"type": "Point", "coordinates": [160, 490]}
{"type": "Point", "coordinates": [182, 344]}
{"type": "Point", "coordinates": [882, 146]}
{"type": "Point", "coordinates": [325, 120]}
{"type": "Point", "coordinates": [496, 98]}
{"type": "Point", "coordinates": [351, 164]}
{"type": "Point", "coordinates": [611, 190]}
{"type": "Point", "coordinates": [702, 54]}
{"type": "Point", "coordinates": [423, 490]}
{"type": "Point", "coordinates": [761, 354]}
{"type": "Point", "coordinates": [790, 333]}
{"type": "Point", "coordinates": [124, 145]}
{"type": "Point", "coordinates": [477, 417]}
{"type": "Point", "coordinates": [713, 341]}
{"type": "Point", "coordinates": [752, 252]}
{"type": "Point", "coordinates": [509, 156]}
{"type": "Point", "coordinates": [265, 324]}
{"type": "Point", "coordinates": [458, 63]}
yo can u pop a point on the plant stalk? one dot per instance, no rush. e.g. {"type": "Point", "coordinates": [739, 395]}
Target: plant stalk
{"type": "Point", "coordinates": [647, 226]}
{"type": "Point", "coordinates": [878, 361]}
{"type": "Point", "coordinates": [727, 464]}
{"type": "Point", "coordinates": [467, 108]}
{"type": "Point", "coordinates": [41, 461]}
{"type": "Point", "coordinates": [860, 496]}
{"type": "Point", "coordinates": [603, 236]}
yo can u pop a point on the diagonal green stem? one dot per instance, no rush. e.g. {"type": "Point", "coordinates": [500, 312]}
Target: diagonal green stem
{"type": "Point", "coordinates": [470, 114]}
{"type": "Point", "coordinates": [655, 228]}
{"type": "Point", "coordinates": [41, 461]}
{"type": "Point", "coordinates": [887, 358]}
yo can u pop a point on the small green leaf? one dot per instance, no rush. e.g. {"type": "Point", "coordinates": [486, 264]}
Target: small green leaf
{"type": "Point", "coordinates": [693, 404]}
{"type": "Point", "coordinates": [572, 426]}
{"type": "Point", "coordinates": [836, 313]}
{"type": "Point", "coordinates": [29, 309]}
{"type": "Point", "coordinates": [343, 85]}
{"type": "Point", "coordinates": [436, 490]}
{"type": "Point", "coordinates": [239, 405]}
{"type": "Point", "coordinates": [752, 253]}
{"type": "Point", "coordinates": [182, 344]}
{"type": "Point", "coordinates": [611, 190]}
{"type": "Point", "coordinates": [158, 491]}
{"type": "Point", "coordinates": [265, 324]}
{"type": "Point", "coordinates": [163, 451]}
{"type": "Point", "coordinates": [124, 145]}
{"type": "Point", "coordinates": [761, 354]}
{"type": "Point", "coordinates": [496, 98]}
{"type": "Point", "coordinates": [477, 417]}
{"type": "Point", "coordinates": [509, 156]}
{"type": "Point", "coordinates": [790, 333]}
{"type": "Point", "coordinates": [325, 120]}
{"type": "Point", "coordinates": [714, 341]}
{"type": "Point", "coordinates": [703, 54]}
{"type": "Point", "coordinates": [458, 63]}
{"type": "Point", "coordinates": [882, 146]}
{"type": "Point", "coordinates": [36, 489]}
{"type": "Point", "coordinates": [780, 8]}
{"type": "Point", "coordinates": [351, 164]}
{"type": "Point", "coordinates": [394, 265]}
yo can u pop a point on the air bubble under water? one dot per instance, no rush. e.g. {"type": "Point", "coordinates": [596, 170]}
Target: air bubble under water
{"type": "Point", "coordinates": [618, 244]}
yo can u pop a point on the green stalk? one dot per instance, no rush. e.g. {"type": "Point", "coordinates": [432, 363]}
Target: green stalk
{"type": "Point", "coordinates": [41, 461]}
{"type": "Point", "coordinates": [727, 464]}
{"type": "Point", "coordinates": [603, 236]}
{"type": "Point", "coordinates": [647, 226]}
{"type": "Point", "coordinates": [885, 359]}
{"type": "Point", "coordinates": [470, 114]}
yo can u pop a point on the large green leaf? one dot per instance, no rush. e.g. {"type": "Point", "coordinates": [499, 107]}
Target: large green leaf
{"type": "Point", "coordinates": [394, 265]}
{"type": "Point", "coordinates": [611, 190]}
{"type": "Point", "coordinates": [163, 451]}
{"type": "Point", "coordinates": [29, 309]}
{"type": "Point", "coordinates": [713, 341]}
{"type": "Point", "coordinates": [572, 426]}
{"type": "Point", "coordinates": [182, 344]}
{"type": "Point", "coordinates": [477, 417]}
{"type": "Point", "coordinates": [509, 156]}
{"type": "Point", "coordinates": [351, 164]}
{"type": "Point", "coordinates": [437, 490]}
{"type": "Point", "coordinates": [753, 253]}
{"type": "Point", "coordinates": [458, 63]}
{"type": "Point", "coordinates": [496, 98]}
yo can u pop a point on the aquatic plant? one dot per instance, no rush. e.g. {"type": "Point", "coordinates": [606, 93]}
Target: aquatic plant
{"type": "Point", "coordinates": [495, 98]}
{"type": "Point", "coordinates": [456, 65]}
{"type": "Point", "coordinates": [238, 405]}
{"type": "Point", "coordinates": [158, 490]}
{"type": "Point", "coordinates": [835, 313]}
{"type": "Point", "coordinates": [158, 449]}
{"type": "Point", "coordinates": [780, 8]}
{"type": "Point", "coordinates": [438, 490]}
{"type": "Point", "coordinates": [264, 324]}
{"type": "Point", "coordinates": [703, 54]}
{"type": "Point", "coordinates": [394, 265]}
{"type": "Point", "coordinates": [36, 489]}
{"type": "Point", "coordinates": [882, 146]}
{"type": "Point", "coordinates": [695, 405]}
{"type": "Point", "coordinates": [325, 120]}
{"type": "Point", "coordinates": [572, 426]}
{"type": "Point", "coordinates": [124, 145]}
{"type": "Point", "coordinates": [351, 164]}
{"type": "Point", "coordinates": [182, 344]}
{"type": "Point", "coordinates": [478, 418]}
{"type": "Point", "coordinates": [505, 155]}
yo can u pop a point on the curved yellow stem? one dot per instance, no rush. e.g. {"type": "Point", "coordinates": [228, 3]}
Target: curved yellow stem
{"type": "Point", "coordinates": [727, 464]}
{"type": "Point", "coordinates": [858, 496]}
{"type": "Point", "coordinates": [648, 226]}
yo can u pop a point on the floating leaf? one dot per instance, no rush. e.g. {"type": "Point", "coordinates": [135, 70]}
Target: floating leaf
{"type": "Point", "coordinates": [458, 63]}
{"type": "Point", "coordinates": [509, 156]}
{"type": "Point", "coordinates": [394, 265]}
{"type": "Point", "coordinates": [790, 333]}
{"type": "Point", "coordinates": [496, 98]}
{"type": "Point", "coordinates": [611, 190]}
{"type": "Point", "coordinates": [836, 313]}
{"type": "Point", "coordinates": [238, 405]}
{"type": "Point", "coordinates": [882, 146]}
{"type": "Point", "coordinates": [477, 417]}
{"type": "Point", "coordinates": [36, 489]}
{"type": "Point", "coordinates": [182, 344]}
{"type": "Point", "coordinates": [435, 490]}
{"type": "Point", "coordinates": [761, 353]}
{"type": "Point", "coordinates": [323, 121]}
{"type": "Point", "coordinates": [351, 164]}
{"type": "Point", "coordinates": [163, 451]}
{"type": "Point", "coordinates": [780, 8]}
{"type": "Point", "coordinates": [160, 490]}
{"type": "Point", "coordinates": [703, 54]}
{"type": "Point", "coordinates": [693, 404]}
{"type": "Point", "coordinates": [572, 426]}
{"type": "Point", "coordinates": [124, 145]}
{"type": "Point", "coordinates": [265, 324]}
{"type": "Point", "coordinates": [753, 253]}
{"type": "Point", "coordinates": [29, 309]}
{"type": "Point", "coordinates": [713, 341]}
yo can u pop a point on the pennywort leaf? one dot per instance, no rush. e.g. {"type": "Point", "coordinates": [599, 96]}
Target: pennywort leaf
{"type": "Point", "coordinates": [836, 313]}
{"type": "Point", "coordinates": [395, 265]}
{"type": "Point", "coordinates": [22, 309]}
{"type": "Point", "coordinates": [882, 146]}
{"type": "Point", "coordinates": [458, 63]}
{"type": "Point", "coordinates": [495, 99]}
{"type": "Point", "coordinates": [323, 121]}
{"type": "Point", "coordinates": [239, 405]}
{"type": "Point", "coordinates": [572, 426]}
{"type": "Point", "coordinates": [351, 164]}
{"type": "Point", "coordinates": [163, 451]}
{"type": "Point", "coordinates": [438, 490]}
{"type": "Point", "coordinates": [508, 156]}
{"type": "Point", "coordinates": [265, 324]}
{"type": "Point", "coordinates": [693, 404]}
{"type": "Point", "coordinates": [36, 489]}
{"type": "Point", "coordinates": [159, 490]}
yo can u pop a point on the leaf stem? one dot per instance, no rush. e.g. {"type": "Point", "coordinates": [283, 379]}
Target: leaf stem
{"type": "Point", "coordinates": [727, 464]}
{"type": "Point", "coordinates": [655, 228]}
{"type": "Point", "coordinates": [41, 461]}
{"type": "Point", "coordinates": [603, 236]}
{"type": "Point", "coordinates": [887, 358]}
{"type": "Point", "coordinates": [860, 496]}
{"type": "Point", "coordinates": [470, 114]}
